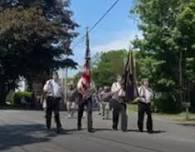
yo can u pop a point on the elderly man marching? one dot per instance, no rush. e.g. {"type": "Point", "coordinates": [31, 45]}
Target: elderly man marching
{"type": "Point", "coordinates": [118, 104]}
{"type": "Point", "coordinates": [144, 106]}
{"type": "Point", "coordinates": [85, 91]}
{"type": "Point", "coordinates": [54, 94]}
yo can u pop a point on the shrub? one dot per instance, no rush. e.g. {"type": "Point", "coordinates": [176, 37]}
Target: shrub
{"type": "Point", "coordinates": [165, 103]}
{"type": "Point", "coordinates": [22, 98]}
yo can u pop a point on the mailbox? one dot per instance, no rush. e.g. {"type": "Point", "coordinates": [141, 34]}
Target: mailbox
{"type": "Point", "coordinates": [186, 104]}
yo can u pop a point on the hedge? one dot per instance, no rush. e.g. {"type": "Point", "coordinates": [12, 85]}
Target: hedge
{"type": "Point", "coordinates": [22, 98]}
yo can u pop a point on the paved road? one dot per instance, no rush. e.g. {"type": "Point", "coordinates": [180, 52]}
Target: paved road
{"type": "Point", "coordinates": [24, 131]}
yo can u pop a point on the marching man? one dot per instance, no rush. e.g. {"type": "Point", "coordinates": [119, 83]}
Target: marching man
{"type": "Point", "coordinates": [144, 106]}
{"type": "Point", "coordinates": [118, 104]}
{"type": "Point", "coordinates": [85, 90]}
{"type": "Point", "coordinates": [54, 94]}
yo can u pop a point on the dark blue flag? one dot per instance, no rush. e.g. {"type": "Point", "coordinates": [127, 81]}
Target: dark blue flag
{"type": "Point", "coordinates": [129, 80]}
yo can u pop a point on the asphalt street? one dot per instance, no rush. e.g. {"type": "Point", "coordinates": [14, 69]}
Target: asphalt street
{"type": "Point", "coordinates": [24, 131]}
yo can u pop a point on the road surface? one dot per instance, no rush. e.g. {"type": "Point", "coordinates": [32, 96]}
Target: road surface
{"type": "Point", "coordinates": [24, 131]}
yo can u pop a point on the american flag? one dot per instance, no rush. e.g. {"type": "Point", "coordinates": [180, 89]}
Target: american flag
{"type": "Point", "coordinates": [86, 74]}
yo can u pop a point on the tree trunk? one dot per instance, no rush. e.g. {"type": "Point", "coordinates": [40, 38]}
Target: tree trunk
{"type": "Point", "coordinates": [3, 94]}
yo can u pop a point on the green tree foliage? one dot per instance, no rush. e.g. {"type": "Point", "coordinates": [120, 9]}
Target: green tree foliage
{"type": "Point", "coordinates": [145, 66]}
{"type": "Point", "coordinates": [168, 29]}
{"type": "Point", "coordinates": [107, 66]}
{"type": "Point", "coordinates": [34, 38]}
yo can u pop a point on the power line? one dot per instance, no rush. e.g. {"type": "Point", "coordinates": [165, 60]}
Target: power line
{"type": "Point", "coordinates": [98, 21]}
{"type": "Point", "coordinates": [103, 16]}
{"type": "Point", "coordinates": [79, 41]}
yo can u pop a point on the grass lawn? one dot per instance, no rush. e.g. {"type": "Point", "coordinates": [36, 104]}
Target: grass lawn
{"type": "Point", "coordinates": [132, 108]}
{"type": "Point", "coordinates": [176, 118]}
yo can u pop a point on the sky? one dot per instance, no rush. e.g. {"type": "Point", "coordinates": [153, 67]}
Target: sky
{"type": "Point", "coordinates": [114, 32]}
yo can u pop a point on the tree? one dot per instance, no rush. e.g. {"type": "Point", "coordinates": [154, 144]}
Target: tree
{"type": "Point", "coordinates": [168, 37]}
{"type": "Point", "coordinates": [32, 41]}
{"type": "Point", "coordinates": [186, 26]}
{"type": "Point", "coordinates": [107, 66]}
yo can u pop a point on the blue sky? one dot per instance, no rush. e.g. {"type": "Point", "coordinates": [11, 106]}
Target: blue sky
{"type": "Point", "coordinates": [114, 32]}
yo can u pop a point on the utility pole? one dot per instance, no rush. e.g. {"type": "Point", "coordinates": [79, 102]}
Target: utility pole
{"type": "Point", "coordinates": [65, 84]}
{"type": "Point", "coordinates": [65, 76]}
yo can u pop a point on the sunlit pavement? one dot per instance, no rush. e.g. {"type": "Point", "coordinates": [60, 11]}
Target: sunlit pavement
{"type": "Point", "coordinates": [24, 131]}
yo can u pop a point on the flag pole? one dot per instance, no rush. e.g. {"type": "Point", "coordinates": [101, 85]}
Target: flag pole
{"type": "Point", "coordinates": [87, 55]}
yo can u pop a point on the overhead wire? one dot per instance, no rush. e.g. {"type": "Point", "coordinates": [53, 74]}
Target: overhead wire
{"type": "Point", "coordinates": [97, 22]}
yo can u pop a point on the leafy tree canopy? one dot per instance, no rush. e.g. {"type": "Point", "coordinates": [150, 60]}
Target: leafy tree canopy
{"type": "Point", "coordinates": [35, 37]}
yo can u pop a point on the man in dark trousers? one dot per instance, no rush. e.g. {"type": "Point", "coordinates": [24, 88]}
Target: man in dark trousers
{"type": "Point", "coordinates": [118, 104]}
{"type": "Point", "coordinates": [54, 94]}
{"type": "Point", "coordinates": [85, 91]}
{"type": "Point", "coordinates": [144, 106]}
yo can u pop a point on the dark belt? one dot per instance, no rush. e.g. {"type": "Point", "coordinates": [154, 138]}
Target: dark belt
{"type": "Point", "coordinates": [54, 97]}
{"type": "Point", "coordinates": [144, 103]}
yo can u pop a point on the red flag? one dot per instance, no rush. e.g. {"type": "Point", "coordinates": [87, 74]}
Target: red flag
{"type": "Point", "coordinates": [86, 73]}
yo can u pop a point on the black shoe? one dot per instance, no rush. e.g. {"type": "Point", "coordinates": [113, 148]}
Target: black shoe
{"type": "Point", "coordinates": [114, 128]}
{"type": "Point", "coordinates": [79, 128]}
{"type": "Point", "coordinates": [58, 130]}
{"type": "Point", "coordinates": [48, 127]}
{"type": "Point", "coordinates": [124, 130]}
{"type": "Point", "coordinates": [140, 129]}
{"type": "Point", "coordinates": [150, 131]}
{"type": "Point", "coordinates": [91, 130]}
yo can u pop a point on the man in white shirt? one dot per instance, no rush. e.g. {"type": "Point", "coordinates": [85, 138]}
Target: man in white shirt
{"type": "Point", "coordinates": [54, 94]}
{"type": "Point", "coordinates": [119, 106]}
{"type": "Point", "coordinates": [144, 106]}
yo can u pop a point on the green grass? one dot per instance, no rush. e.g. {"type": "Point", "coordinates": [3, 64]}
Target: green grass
{"type": "Point", "coordinates": [177, 118]}
{"type": "Point", "coordinates": [132, 108]}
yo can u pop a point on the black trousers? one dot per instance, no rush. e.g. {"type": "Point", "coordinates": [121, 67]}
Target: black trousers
{"type": "Point", "coordinates": [142, 109]}
{"type": "Point", "coordinates": [53, 105]}
{"type": "Point", "coordinates": [119, 108]}
{"type": "Point", "coordinates": [81, 105]}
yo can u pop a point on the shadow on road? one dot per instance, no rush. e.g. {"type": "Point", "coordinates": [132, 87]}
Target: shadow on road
{"type": "Point", "coordinates": [19, 135]}
{"type": "Point", "coordinates": [130, 130]}
{"type": "Point", "coordinates": [158, 131]}
{"type": "Point", "coordinates": [188, 124]}
{"type": "Point", "coordinates": [102, 129]}
{"type": "Point", "coordinates": [154, 132]}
